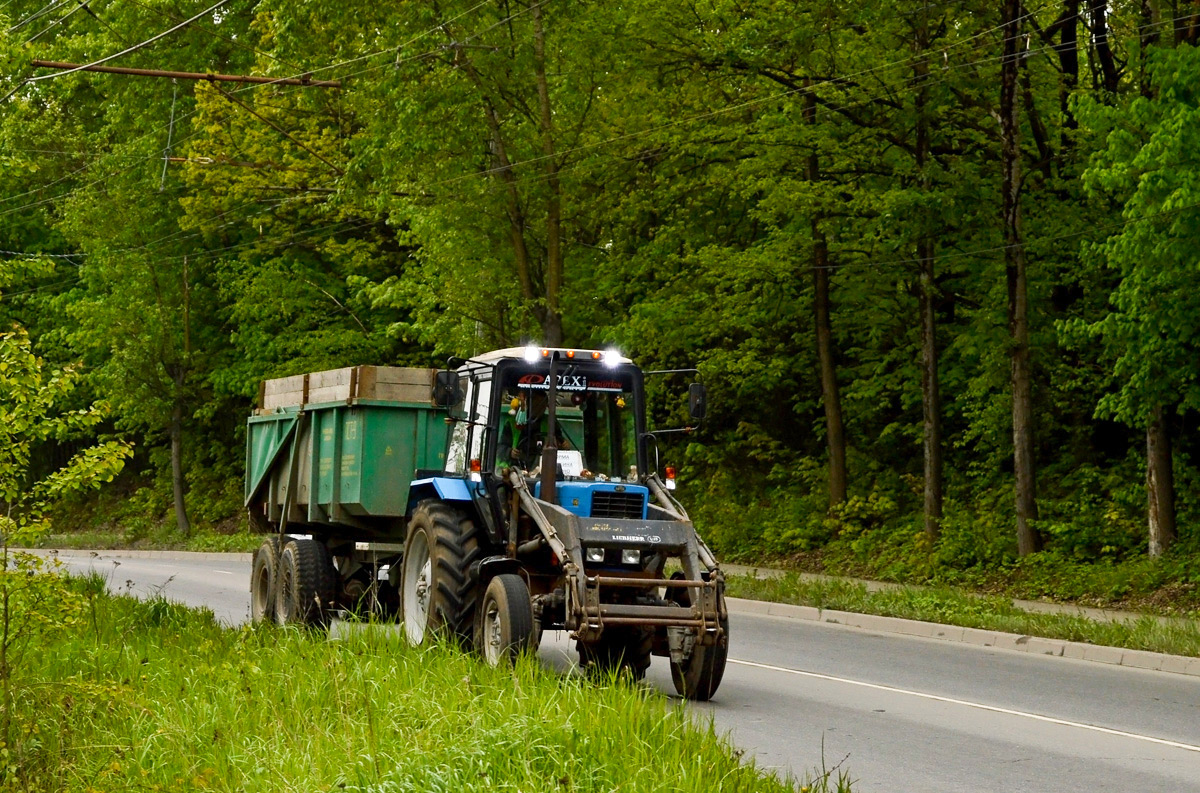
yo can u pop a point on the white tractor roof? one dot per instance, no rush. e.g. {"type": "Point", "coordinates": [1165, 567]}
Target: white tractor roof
{"type": "Point", "coordinates": [519, 352]}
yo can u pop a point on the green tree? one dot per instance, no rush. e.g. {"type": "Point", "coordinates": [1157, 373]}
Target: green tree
{"type": "Point", "coordinates": [1147, 166]}
{"type": "Point", "coordinates": [30, 415]}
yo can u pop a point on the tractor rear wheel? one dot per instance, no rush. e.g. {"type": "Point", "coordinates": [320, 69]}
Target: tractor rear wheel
{"type": "Point", "coordinates": [304, 594]}
{"type": "Point", "coordinates": [264, 578]}
{"type": "Point", "coordinates": [438, 591]}
{"type": "Point", "coordinates": [504, 628]}
{"type": "Point", "coordinates": [624, 650]}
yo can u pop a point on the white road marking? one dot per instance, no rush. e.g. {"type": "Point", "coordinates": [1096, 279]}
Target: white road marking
{"type": "Point", "coordinates": [978, 705]}
{"type": "Point", "coordinates": [223, 572]}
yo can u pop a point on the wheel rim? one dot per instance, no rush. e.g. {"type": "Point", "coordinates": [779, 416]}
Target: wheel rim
{"type": "Point", "coordinates": [284, 611]}
{"type": "Point", "coordinates": [262, 588]}
{"type": "Point", "coordinates": [493, 637]}
{"type": "Point", "coordinates": [418, 581]}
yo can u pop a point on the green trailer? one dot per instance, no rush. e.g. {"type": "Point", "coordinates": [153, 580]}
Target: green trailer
{"type": "Point", "coordinates": [344, 461]}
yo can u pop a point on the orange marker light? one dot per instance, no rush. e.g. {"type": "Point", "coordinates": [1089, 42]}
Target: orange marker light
{"type": "Point", "coordinates": [477, 466]}
{"type": "Point", "coordinates": [596, 355]}
{"type": "Point", "coordinates": [570, 353]}
{"type": "Point", "coordinates": [670, 471]}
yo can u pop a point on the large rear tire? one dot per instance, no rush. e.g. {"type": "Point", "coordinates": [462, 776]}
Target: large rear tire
{"type": "Point", "coordinates": [305, 592]}
{"type": "Point", "coordinates": [438, 591]}
{"type": "Point", "coordinates": [621, 649]}
{"type": "Point", "coordinates": [504, 628]}
{"type": "Point", "coordinates": [264, 578]}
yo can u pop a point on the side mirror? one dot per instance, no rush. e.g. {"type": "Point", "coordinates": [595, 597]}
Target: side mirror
{"type": "Point", "coordinates": [697, 401]}
{"type": "Point", "coordinates": [446, 390]}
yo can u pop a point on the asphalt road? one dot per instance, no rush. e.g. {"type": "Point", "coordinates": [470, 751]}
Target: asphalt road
{"type": "Point", "coordinates": [898, 713]}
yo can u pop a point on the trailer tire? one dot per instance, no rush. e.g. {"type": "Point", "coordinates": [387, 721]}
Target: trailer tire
{"type": "Point", "coordinates": [264, 579]}
{"type": "Point", "coordinates": [624, 650]}
{"type": "Point", "coordinates": [504, 627]}
{"type": "Point", "coordinates": [304, 594]}
{"type": "Point", "coordinates": [438, 589]}
{"type": "Point", "coordinates": [698, 677]}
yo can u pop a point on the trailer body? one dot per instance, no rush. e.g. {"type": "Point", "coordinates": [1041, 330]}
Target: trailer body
{"type": "Point", "coordinates": [347, 459]}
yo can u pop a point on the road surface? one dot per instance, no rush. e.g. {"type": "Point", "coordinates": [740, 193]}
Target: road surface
{"type": "Point", "coordinates": [898, 713]}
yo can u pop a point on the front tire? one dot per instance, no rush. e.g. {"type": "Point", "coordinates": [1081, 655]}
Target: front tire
{"type": "Point", "coordinates": [505, 626]}
{"type": "Point", "coordinates": [698, 677]}
{"type": "Point", "coordinates": [438, 591]}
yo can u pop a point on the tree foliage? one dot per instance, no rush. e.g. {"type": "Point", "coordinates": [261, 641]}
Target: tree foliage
{"type": "Point", "coordinates": [803, 200]}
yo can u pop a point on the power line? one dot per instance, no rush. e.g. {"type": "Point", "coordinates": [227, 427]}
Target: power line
{"type": "Point", "coordinates": [200, 76]}
{"type": "Point", "coordinates": [134, 48]}
{"type": "Point", "coordinates": [46, 9]}
{"type": "Point", "coordinates": [82, 4]}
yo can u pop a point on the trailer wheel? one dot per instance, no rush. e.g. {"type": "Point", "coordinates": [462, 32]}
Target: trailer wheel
{"type": "Point", "coordinates": [504, 628]}
{"type": "Point", "coordinates": [438, 593]}
{"type": "Point", "coordinates": [700, 674]}
{"type": "Point", "coordinates": [264, 578]}
{"type": "Point", "coordinates": [624, 650]}
{"type": "Point", "coordinates": [306, 582]}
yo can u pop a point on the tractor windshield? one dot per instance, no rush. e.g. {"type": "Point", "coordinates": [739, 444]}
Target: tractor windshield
{"type": "Point", "coordinates": [595, 416]}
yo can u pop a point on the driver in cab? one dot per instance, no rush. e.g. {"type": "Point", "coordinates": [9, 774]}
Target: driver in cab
{"type": "Point", "coordinates": [524, 431]}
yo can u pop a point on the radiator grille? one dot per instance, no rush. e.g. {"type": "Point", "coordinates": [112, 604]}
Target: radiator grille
{"type": "Point", "coordinates": [611, 504]}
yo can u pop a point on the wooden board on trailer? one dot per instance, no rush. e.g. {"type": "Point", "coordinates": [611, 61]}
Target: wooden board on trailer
{"type": "Point", "coordinates": [391, 383]}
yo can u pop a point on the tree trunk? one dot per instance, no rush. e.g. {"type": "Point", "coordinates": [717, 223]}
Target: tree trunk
{"type": "Point", "coordinates": [931, 407]}
{"type": "Point", "coordinates": [931, 400]}
{"type": "Point", "coordinates": [178, 485]}
{"type": "Point", "coordinates": [552, 325]}
{"type": "Point", "coordinates": [1104, 53]}
{"type": "Point", "coordinates": [1028, 539]}
{"type": "Point", "coordinates": [834, 433]}
{"type": "Point", "coordinates": [1160, 483]}
{"type": "Point", "coordinates": [1068, 61]}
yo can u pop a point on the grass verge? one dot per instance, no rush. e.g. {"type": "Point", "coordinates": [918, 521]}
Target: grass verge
{"type": "Point", "coordinates": [166, 539]}
{"type": "Point", "coordinates": [120, 694]}
{"type": "Point", "coordinates": [951, 607]}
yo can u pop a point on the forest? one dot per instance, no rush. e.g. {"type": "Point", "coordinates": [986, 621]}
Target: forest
{"type": "Point", "coordinates": [935, 261]}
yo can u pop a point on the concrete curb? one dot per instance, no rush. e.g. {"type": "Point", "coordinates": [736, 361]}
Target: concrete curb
{"type": "Point", "coordinates": [206, 556]}
{"type": "Point", "coordinates": [1137, 659]}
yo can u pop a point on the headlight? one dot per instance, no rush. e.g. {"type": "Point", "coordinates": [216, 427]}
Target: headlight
{"type": "Point", "coordinates": [595, 554]}
{"type": "Point", "coordinates": [631, 556]}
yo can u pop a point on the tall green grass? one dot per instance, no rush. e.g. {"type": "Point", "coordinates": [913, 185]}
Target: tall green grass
{"type": "Point", "coordinates": [150, 696]}
{"type": "Point", "coordinates": [952, 607]}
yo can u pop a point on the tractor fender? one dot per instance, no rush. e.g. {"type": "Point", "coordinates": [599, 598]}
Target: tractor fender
{"type": "Point", "coordinates": [492, 566]}
{"type": "Point", "coordinates": [441, 488]}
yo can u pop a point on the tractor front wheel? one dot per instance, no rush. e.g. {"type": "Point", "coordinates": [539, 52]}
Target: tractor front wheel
{"type": "Point", "coordinates": [504, 628]}
{"type": "Point", "coordinates": [698, 676]}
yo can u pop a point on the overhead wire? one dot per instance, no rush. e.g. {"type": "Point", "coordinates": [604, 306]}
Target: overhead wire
{"type": "Point", "coordinates": [128, 50]}
{"type": "Point", "coordinates": [46, 9]}
{"type": "Point", "coordinates": [81, 4]}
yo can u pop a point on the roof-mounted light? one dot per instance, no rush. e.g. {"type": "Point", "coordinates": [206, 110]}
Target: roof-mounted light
{"type": "Point", "coordinates": [531, 354]}
{"type": "Point", "coordinates": [612, 357]}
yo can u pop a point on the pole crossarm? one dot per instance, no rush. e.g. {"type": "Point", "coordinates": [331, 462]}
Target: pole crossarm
{"type": "Point", "coordinates": [303, 80]}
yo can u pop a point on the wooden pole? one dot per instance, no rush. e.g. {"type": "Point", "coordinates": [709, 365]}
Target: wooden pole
{"type": "Point", "coordinates": [303, 80]}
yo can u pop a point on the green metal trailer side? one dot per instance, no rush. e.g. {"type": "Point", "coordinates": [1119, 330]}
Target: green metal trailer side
{"type": "Point", "coordinates": [337, 462]}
